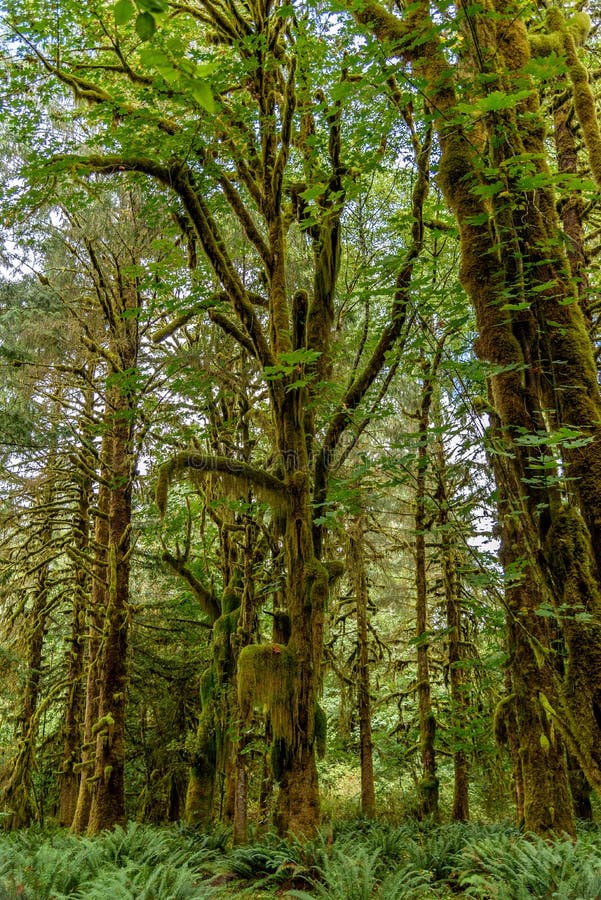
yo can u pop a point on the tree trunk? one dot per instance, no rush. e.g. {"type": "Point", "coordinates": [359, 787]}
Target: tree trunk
{"type": "Point", "coordinates": [108, 781]}
{"type": "Point", "coordinates": [455, 653]}
{"type": "Point", "coordinates": [95, 612]}
{"type": "Point", "coordinates": [359, 580]}
{"type": "Point", "coordinates": [428, 788]}
{"type": "Point", "coordinates": [297, 808]}
{"type": "Point", "coordinates": [17, 787]}
{"type": "Point", "coordinates": [542, 756]}
{"type": "Point", "coordinates": [541, 350]}
{"type": "Point", "coordinates": [69, 777]}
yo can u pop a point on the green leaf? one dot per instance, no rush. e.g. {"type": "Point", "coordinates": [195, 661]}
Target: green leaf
{"type": "Point", "coordinates": [152, 57]}
{"type": "Point", "coordinates": [203, 95]}
{"type": "Point", "coordinates": [313, 192]}
{"type": "Point", "coordinates": [124, 10]}
{"type": "Point", "coordinates": [153, 6]}
{"type": "Point", "coordinates": [145, 26]}
{"type": "Point", "coordinates": [517, 307]}
{"type": "Point", "coordinates": [480, 219]}
{"type": "Point", "coordinates": [156, 59]}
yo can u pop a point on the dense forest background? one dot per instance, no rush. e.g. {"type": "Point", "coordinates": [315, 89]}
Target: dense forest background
{"type": "Point", "coordinates": [300, 446]}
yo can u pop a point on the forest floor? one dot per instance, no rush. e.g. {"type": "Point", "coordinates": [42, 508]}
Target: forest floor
{"type": "Point", "coordinates": [358, 861]}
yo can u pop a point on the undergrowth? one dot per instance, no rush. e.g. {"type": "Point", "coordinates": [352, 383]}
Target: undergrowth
{"type": "Point", "coordinates": [360, 861]}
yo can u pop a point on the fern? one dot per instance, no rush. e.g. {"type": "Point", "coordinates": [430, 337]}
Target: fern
{"type": "Point", "coordinates": [507, 868]}
{"type": "Point", "coordinates": [345, 877]}
{"type": "Point", "coordinates": [407, 884]}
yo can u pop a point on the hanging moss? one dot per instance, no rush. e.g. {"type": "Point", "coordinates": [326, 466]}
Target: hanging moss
{"type": "Point", "coordinates": [335, 570]}
{"type": "Point", "coordinates": [233, 476]}
{"type": "Point", "coordinates": [231, 599]}
{"type": "Point", "coordinates": [321, 731]}
{"type": "Point", "coordinates": [279, 758]}
{"type": "Point", "coordinates": [579, 26]}
{"type": "Point", "coordinates": [223, 655]}
{"type": "Point", "coordinates": [204, 749]}
{"type": "Point", "coordinates": [316, 576]}
{"type": "Point", "coordinates": [267, 679]}
{"type": "Point", "coordinates": [208, 681]}
{"type": "Point", "coordinates": [503, 711]}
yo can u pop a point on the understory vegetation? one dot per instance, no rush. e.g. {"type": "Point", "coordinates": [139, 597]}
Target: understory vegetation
{"type": "Point", "coordinates": [357, 861]}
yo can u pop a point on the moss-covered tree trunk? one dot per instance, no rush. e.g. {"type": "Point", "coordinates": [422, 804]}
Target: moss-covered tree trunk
{"type": "Point", "coordinates": [358, 576]}
{"type": "Point", "coordinates": [530, 330]}
{"type": "Point", "coordinates": [96, 607]}
{"type": "Point", "coordinates": [428, 788]}
{"type": "Point", "coordinates": [16, 786]}
{"type": "Point", "coordinates": [108, 780]}
{"type": "Point", "coordinates": [506, 732]}
{"type": "Point", "coordinates": [297, 809]}
{"type": "Point", "coordinates": [108, 784]}
{"type": "Point", "coordinates": [69, 775]}
{"type": "Point", "coordinates": [455, 644]}
{"type": "Point", "coordinates": [541, 768]}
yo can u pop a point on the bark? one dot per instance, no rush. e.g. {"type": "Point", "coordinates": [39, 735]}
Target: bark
{"type": "Point", "coordinates": [455, 654]}
{"type": "Point", "coordinates": [69, 776]}
{"type": "Point", "coordinates": [542, 767]}
{"type": "Point", "coordinates": [507, 732]}
{"type": "Point", "coordinates": [16, 790]}
{"type": "Point", "coordinates": [97, 604]}
{"type": "Point", "coordinates": [297, 808]}
{"type": "Point", "coordinates": [108, 791]}
{"type": "Point", "coordinates": [359, 579]}
{"type": "Point", "coordinates": [427, 723]}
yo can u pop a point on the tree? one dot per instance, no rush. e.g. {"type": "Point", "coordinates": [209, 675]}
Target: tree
{"type": "Point", "coordinates": [278, 166]}
{"type": "Point", "coordinates": [532, 332]}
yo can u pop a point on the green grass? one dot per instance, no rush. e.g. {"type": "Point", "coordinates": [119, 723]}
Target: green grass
{"type": "Point", "coordinates": [362, 861]}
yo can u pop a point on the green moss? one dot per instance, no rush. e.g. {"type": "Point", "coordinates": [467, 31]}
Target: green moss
{"type": "Point", "coordinates": [316, 576]}
{"type": "Point", "coordinates": [279, 757]}
{"type": "Point", "coordinates": [579, 26]}
{"type": "Point", "coordinates": [504, 709]}
{"type": "Point", "coordinates": [570, 36]}
{"type": "Point", "coordinates": [267, 679]}
{"type": "Point", "coordinates": [335, 569]}
{"type": "Point", "coordinates": [232, 595]}
{"type": "Point", "coordinates": [208, 681]}
{"type": "Point", "coordinates": [544, 44]}
{"type": "Point", "coordinates": [104, 723]}
{"type": "Point", "coordinates": [568, 545]}
{"type": "Point", "coordinates": [321, 731]}
{"type": "Point", "coordinates": [204, 751]}
{"type": "Point", "coordinates": [231, 600]}
{"type": "Point", "coordinates": [223, 629]}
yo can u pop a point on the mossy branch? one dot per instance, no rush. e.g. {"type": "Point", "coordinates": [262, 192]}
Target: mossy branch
{"type": "Point", "coordinates": [246, 220]}
{"type": "Point", "coordinates": [232, 329]}
{"type": "Point", "coordinates": [239, 474]}
{"type": "Point", "coordinates": [206, 599]}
